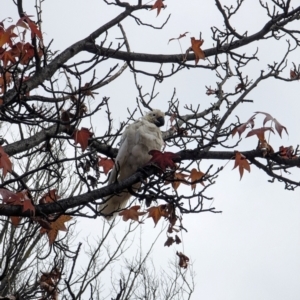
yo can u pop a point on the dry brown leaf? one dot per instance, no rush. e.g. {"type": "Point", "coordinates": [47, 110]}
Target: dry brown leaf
{"type": "Point", "coordinates": [183, 260]}
{"type": "Point", "coordinates": [195, 176]}
{"type": "Point", "coordinates": [156, 212]}
{"type": "Point", "coordinates": [199, 54]}
{"type": "Point", "coordinates": [5, 162]}
{"type": "Point", "coordinates": [57, 225]}
{"type": "Point", "coordinates": [169, 242]}
{"type": "Point", "coordinates": [158, 5]}
{"type": "Point", "coordinates": [132, 213]}
{"type": "Point", "coordinates": [241, 162]}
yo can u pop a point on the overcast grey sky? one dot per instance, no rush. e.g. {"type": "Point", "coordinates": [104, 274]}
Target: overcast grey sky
{"type": "Point", "coordinates": [251, 250]}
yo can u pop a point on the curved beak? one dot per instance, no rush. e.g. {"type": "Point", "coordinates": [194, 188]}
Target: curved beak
{"type": "Point", "coordinates": [160, 121]}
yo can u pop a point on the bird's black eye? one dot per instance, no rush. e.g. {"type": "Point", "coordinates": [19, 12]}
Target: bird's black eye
{"type": "Point", "coordinates": [153, 115]}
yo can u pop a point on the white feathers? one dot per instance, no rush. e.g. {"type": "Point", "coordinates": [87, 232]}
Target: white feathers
{"type": "Point", "coordinates": [137, 140]}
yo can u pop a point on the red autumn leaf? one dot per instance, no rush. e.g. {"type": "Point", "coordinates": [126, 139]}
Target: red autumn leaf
{"type": "Point", "coordinates": [26, 201]}
{"type": "Point", "coordinates": [158, 4]}
{"type": "Point", "coordinates": [163, 160]}
{"type": "Point", "coordinates": [195, 176]}
{"type": "Point", "coordinates": [7, 58]}
{"type": "Point", "coordinates": [240, 129]}
{"type": "Point", "coordinates": [183, 260]}
{"type": "Point", "coordinates": [156, 212]}
{"type": "Point", "coordinates": [106, 163]}
{"type": "Point", "coordinates": [32, 26]}
{"type": "Point", "coordinates": [260, 132]}
{"type": "Point", "coordinates": [5, 162]}
{"type": "Point", "coordinates": [279, 128]}
{"type": "Point", "coordinates": [241, 162]}
{"type": "Point", "coordinates": [10, 198]}
{"type": "Point", "coordinates": [57, 225]}
{"type": "Point", "coordinates": [196, 44]}
{"type": "Point", "coordinates": [20, 198]}
{"type": "Point", "coordinates": [49, 197]}
{"type": "Point", "coordinates": [27, 205]}
{"type": "Point", "coordinates": [15, 220]}
{"type": "Point", "coordinates": [5, 81]}
{"type": "Point", "coordinates": [27, 54]}
{"type": "Point", "coordinates": [287, 152]}
{"type": "Point", "coordinates": [180, 36]}
{"type": "Point", "coordinates": [82, 137]}
{"type": "Point", "coordinates": [132, 213]}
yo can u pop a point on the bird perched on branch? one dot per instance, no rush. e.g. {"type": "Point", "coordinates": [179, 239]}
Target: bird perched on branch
{"type": "Point", "coordinates": [137, 140]}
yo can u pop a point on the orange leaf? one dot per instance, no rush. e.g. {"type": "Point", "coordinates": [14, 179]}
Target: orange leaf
{"type": "Point", "coordinates": [106, 163]}
{"type": "Point", "coordinates": [241, 162]}
{"type": "Point", "coordinates": [156, 212]}
{"type": "Point", "coordinates": [158, 4]}
{"type": "Point", "coordinates": [195, 177]}
{"type": "Point", "coordinates": [132, 213]}
{"type": "Point", "coordinates": [7, 35]}
{"type": "Point", "coordinates": [5, 162]}
{"type": "Point", "coordinates": [196, 44]}
{"type": "Point", "coordinates": [163, 160]}
{"type": "Point", "coordinates": [55, 227]}
{"type": "Point", "coordinates": [176, 179]}
{"type": "Point", "coordinates": [82, 137]}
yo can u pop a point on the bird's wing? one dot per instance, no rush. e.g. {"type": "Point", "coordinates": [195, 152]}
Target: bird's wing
{"type": "Point", "coordinates": [137, 140]}
{"type": "Point", "coordinates": [122, 155]}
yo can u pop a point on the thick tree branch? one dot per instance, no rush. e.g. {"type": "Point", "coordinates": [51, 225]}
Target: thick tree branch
{"type": "Point", "coordinates": [63, 205]}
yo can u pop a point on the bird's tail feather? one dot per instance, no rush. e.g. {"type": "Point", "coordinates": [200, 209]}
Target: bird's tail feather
{"type": "Point", "coordinates": [114, 204]}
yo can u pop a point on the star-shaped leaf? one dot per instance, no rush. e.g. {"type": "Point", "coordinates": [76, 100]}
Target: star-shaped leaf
{"type": "Point", "coordinates": [57, 225]}
{"type": "Point", "coordinates": [106, 163]}
{"type": "Point", "coordinates": [163, 160]}
{"type": "Point", "coordinates": [158, 4]}
{"type": "Point", "coordinates": [132, 213]}
{"type": "Point", "coordinates": [196, 44]}
{"type": "Point", "coordinates": [241, 162]}
{"type": "Point", "coordinates": [82, 137]}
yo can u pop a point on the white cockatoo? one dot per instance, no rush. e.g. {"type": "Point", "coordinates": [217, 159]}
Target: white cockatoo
{"type": "Point", "coordinates": [137, 140]}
